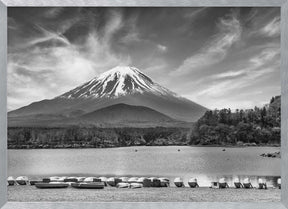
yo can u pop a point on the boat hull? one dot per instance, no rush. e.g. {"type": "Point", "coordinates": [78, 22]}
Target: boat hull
{"type": "Point", "coordinates": [179, 184]}
{"type": "Point", "coordinates": [11, 182]}
{"type": "Point", "coordinates": [92, 185]}
{"type": "Point", "coordinates": [21, 182]}
{"type": "Point", "coordinates": [51, 186]}
{"type": "Point", "coordinates": [32, 183]}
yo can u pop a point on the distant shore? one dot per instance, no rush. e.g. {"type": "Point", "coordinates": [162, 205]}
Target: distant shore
{"type": "Point", "coordinates": [113, 146]}
{"type": "Point", "coordinates": [170, 194]}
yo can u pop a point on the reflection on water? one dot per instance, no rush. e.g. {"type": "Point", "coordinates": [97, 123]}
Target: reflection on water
{"type": "Point", "coordinates": [204, 163]}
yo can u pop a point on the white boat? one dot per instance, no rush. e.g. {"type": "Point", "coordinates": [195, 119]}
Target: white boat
{"type": "Point", "coordinates": [124, 179]}
{"type": "Point", "coordinates": [193, 183]}
{"type": "Point", "coordinates": [113, 181]}
{"type": "Point", "coordinates": [88, 185]}
{"type": "Point", "coordinates": [22, 180]}
{"type": "Point", "coordinates": [123, 185]}
{"type": "Point", "coordinates": [141, 180]}
{"type": "Point", "coordinates": [136, 185]}
{"type": "Point", "coordinates": [222, 183]}
{"type": "Point", "coordinates": [103, 178]}
{"type": "Point", "coordinates": [89, 179]}
{"type": "Point", "coordinates": [80, 179]}
{"type": "Point", "coordinates": [279, 183]}
{"type": "Point", "coordinates": [11, 181]}
{"type": "Point", "coordinates": [247, 183]}
{"type": "Point", "coordinates": [132, 180]}
{"type": "Point", "coordinates": [55, 179]}
{"type": "Point", "coordinates": [237, 183]}
{"type": "Point", "coordinates": [179, 182]}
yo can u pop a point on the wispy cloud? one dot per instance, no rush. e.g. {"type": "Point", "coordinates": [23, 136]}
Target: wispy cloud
{"type": "Point", "coordinates": [215, 50]}
{"type": "Point", "coordinates": [272, 29]}
{"type": "Point", "coordinates": [53, 12]}
{"type": "Point", "coordinates": [263, 64]}
{"type": "Point", "coordinates": [68, 64]}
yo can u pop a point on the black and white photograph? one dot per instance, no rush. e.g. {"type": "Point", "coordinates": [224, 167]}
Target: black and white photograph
{"type": "Point", "coordinates": [144, 104]}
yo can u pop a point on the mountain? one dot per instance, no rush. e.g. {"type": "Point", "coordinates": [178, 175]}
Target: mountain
{"type": "Point", "coordinates": [120, 113]}
{"type": "Point", "coordinates": [119, 81]}
{"type": "Point", "coordinates": [126, 85]}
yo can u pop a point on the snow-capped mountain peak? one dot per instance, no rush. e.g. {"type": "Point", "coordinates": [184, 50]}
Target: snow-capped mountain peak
{"type": "Point", "coordinates": [119, 81]}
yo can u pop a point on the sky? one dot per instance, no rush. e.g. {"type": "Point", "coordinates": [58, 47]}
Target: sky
{"type": "Point", "coordinates": [217, 57]}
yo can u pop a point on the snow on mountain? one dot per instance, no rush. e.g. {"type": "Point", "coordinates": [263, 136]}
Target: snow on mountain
{"type": "Point", "coordinates": [126, 85]}
{"type": "Point", "coordinates": [117, 82]}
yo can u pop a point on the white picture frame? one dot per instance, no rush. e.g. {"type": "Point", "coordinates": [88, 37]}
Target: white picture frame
{"type": "Point", "coordinates": [141, 3]}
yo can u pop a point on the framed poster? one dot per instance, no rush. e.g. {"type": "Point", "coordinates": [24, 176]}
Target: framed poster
{"type": "Point", "coordinates": [143, 104]}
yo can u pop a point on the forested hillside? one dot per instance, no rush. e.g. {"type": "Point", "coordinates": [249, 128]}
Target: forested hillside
{"type": "Point", "coordinates": [257, 126]}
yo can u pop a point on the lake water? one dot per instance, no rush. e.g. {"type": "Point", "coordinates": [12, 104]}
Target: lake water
{"type": "Point", "coordinates": [204, 163]}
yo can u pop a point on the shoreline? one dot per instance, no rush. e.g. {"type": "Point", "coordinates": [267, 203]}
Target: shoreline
{"type": "Point", "coordinates": [168, 194]}
{"type": "Point", "coordinates": [176, 145]}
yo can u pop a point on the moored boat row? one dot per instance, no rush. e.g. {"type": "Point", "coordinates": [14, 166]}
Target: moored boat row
{"type": "Point", "coordinates": [126, 182]}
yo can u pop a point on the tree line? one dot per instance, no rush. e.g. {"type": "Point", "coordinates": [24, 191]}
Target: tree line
{"type": "Point", "coordinates": [251, 126]}
{"type": "Point", "coordinates": [93, 137]}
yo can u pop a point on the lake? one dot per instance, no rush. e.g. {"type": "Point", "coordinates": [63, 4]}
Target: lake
{"type": "Point", "coordinates": [205, 163]}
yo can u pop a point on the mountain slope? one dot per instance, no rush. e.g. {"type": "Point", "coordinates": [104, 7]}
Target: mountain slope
{"type": "Point", "coordinates": [120, 85]}
{"type": "Point", "coordinates": [125, 113]}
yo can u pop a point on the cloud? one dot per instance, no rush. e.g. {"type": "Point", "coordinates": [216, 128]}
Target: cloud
{"type": "Point", "coordinates": [50, 64]}
{"type": "Point", "coordinates": [260, 65]}
{"type": "Point", "coordinates": [231, 74]}
{"type": "Point", "coordinates": [161, 48]}
{"type": "Point", "coordinates": [272, 29]}
{"type": "Point", "coordinates": [193, 14]}
{"type": "Point", "coordinates": [53, 12]}
{"type": "Point", "coordinates": [215, 50]}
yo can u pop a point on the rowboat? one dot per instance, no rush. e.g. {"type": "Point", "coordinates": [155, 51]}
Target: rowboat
{"type": "Point", "coordinates": [132, 180]}
{"type": "Point", "coordinates": [90, 179]}
{"type": "Point", "coordinates": [22, 180]}
{"type": "Point", "coordinates": [193, 183]}
{"type": "Point", "coordinates": [51, 185]}
{"type": "Point", "coordinates": [279, 183]}
{"type": "Point", "coordinates": [164, 182]}
{"type": "Point", "coordinates": [124, 179]}
{"type": "Point", "coordinates": [141, 180]}
{"type": "Point", "coordinates": [178, 182]}
{"type": "Point", "coordinates": [123, 185]}
{"type": "Point", "coordinates": [90, 185]}
{"type": "Point", "coordinates": [223, 184]}
{"type": "Point", "coordinates": [11, 181]}
{"type": "Point", "coordinates": [136, 185]}
{"type": "Point", "coordinates": [33, 182]}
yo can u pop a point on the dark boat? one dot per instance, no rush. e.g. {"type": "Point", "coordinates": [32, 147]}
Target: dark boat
{"type": "Point", "coordinates": [33, 182]}
{"type": "Point", "coordinates": [51, 185]}
{"type": "Point", "coordinates": [90, 185]}
{"type": "Point", "coordinates": [164, 182]}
